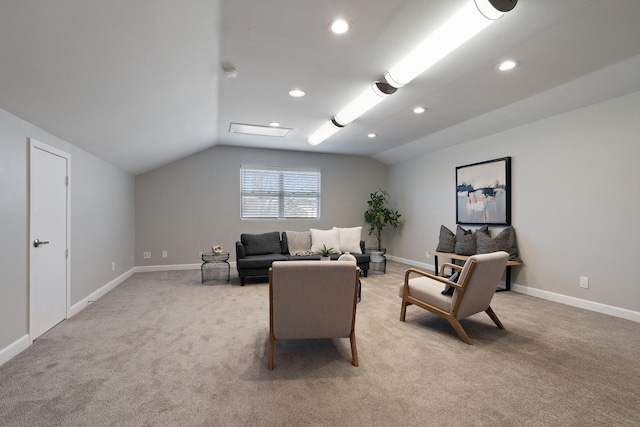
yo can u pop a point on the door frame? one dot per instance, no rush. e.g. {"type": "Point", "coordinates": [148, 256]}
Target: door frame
{"type": "Point", "coordinates": [35, 144]}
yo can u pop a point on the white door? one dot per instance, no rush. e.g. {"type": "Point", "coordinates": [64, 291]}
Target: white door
{"type": "Point", "coordinates": [48, 266]}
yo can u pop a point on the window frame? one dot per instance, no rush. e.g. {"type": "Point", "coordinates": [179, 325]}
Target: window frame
{"type": "Point", "coordinates": [282, 193]}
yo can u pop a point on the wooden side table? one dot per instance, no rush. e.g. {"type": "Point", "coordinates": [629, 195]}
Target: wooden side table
{"type": "Point", "coordinates": [215, 265]}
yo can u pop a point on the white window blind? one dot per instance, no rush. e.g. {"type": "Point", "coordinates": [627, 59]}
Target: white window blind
{"type": "Point", "coordinates": [267, 193]}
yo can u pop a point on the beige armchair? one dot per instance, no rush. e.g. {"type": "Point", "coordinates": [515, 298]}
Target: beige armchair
{"type": "Point", "coordinates": [312, 299]}
{"type": "Point", "coordinates": [477, 283]}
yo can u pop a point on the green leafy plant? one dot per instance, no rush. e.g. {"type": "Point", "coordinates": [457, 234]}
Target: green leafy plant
{"type": "Point", "coordinates": [379, 215]}
{"type": "Point", "coordinates": [326, 251]}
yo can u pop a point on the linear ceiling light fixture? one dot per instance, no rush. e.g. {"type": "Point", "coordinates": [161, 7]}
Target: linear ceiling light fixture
{"type": "Point", "coordinates": [368, 99]}
{"type": "Point", "coordinates": [324, 132]}
{"type": "Point", "coordinates": [474, 17]}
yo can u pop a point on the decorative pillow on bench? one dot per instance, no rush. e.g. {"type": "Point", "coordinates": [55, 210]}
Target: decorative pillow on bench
{"type": "Point", "coordinates": [504, 241]}
{"type": "Point", "coordinates": [447, 240]}
{"type": "Point", "coordinates": [466, 240]}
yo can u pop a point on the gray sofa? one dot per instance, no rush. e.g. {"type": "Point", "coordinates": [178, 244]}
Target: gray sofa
{"type": "Point", "coordinates": [256, 252]}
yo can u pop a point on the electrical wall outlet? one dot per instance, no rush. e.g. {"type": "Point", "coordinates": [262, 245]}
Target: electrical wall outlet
{"type": "Point", "coordinates": [164, 254]}
{"type": "Point", "coordinates": [199, 254]}
{"type": "Point", "coordinates": [146, 255]}
{"type": "Point", "coordinates": [426, 254]}
{"type": "Point", "coordinates": [113, 266]}
{"type": "Point", "coordinates": [584, 282]}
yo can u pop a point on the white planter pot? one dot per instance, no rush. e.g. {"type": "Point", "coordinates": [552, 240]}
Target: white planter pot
{"type": "Point", "coordinates": [377, 255]}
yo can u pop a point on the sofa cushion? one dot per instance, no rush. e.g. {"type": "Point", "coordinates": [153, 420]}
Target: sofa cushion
{"type": "Point", "coordinates": [299, 242]}
{"type": "Point", "coordinates": [322, 238]}
{"type": "Point", "coordinates": [260, 261]}
{"type": "Point", "coordinates": [504, 241]}
{"type": "Point", "coordinates": [466, 240]}
{"type": "Point", "coordinates": [446, 241]}
{"type": "Point", "coordinates": [349, 239]}
{"type": "Point", "coordinates": [261, 244]}
{"type": "Point", "coordinates": [312, 257]}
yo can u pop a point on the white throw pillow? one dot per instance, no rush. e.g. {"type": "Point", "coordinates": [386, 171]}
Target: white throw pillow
{"type": "Point", "coordinates": [328, 238]}
{"type": "Point", "coordinates": [350, 239]}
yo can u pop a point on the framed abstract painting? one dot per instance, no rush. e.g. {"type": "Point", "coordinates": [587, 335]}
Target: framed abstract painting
{"type": "Point", "coordinates": [483, 192]}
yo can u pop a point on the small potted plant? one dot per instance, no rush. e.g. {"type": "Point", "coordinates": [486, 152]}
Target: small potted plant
{"type": "Point", "coordinates": [379, 215]}
{"type": "Point", "coordinates": [326, 253]}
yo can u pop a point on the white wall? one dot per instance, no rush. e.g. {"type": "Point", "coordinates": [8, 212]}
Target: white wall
{"type": "Point", "coordinates": [189, 205]}
{"type": "Point", "coordinates": [102, 224]}
{"type": "Point", "coordinates": [575, 183]}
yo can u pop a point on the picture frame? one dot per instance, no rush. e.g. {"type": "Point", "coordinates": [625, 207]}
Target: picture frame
{"type": "Point", "coordinates": [483, 192]}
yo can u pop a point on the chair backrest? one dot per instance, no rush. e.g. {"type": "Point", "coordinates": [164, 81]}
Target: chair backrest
{"type": "Point", "coordinates": [312, 299]}
{"type": "Point", "coordinates": [482, 274]}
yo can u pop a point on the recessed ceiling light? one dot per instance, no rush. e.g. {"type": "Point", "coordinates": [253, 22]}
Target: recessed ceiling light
{"type": "Point", "coordinates": [339, 26]}
{"type": "Point", "coordinates": [274, 124]}
{"type": "Point", "coordinates": [372, 135]}
{"type": "Point", "coordinates": [419, 110]}
{"type": "Point", "coordinates": [508, 65]}
{"type": "Point", "coordinates": [296, 93]}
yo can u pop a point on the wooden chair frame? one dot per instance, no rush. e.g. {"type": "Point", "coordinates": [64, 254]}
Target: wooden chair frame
{"type": "Point", "coordinates": [450, 316]}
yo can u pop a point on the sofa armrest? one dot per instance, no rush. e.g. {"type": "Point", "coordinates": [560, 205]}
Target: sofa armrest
{"type": "Point", "coordinates": [240, 251]}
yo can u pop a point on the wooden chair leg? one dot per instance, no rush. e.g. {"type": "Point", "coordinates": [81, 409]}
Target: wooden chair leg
{"type": "Point", "coordinates": [271, 351]}
{"type": "Point", "coordinates": [354, 350]}
{"type": "Point", "coordinates": [493, 317]}
{"type": "Point", "coordinates": [460, 330]}
{"type": "Point", "coordinates": [403, 311]}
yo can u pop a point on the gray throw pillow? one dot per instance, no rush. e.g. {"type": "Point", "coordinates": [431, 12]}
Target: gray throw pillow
{"type": "Point", "coordinates": [466, 240]}
{"type": "Point", "coordinates": [447, 240]}
{"type": "Point", "coordinates": [504, 241]}
{"type": "Point", "coordinates": [261, 244]}
{"type": "Point", "coordinates": [448, 290]}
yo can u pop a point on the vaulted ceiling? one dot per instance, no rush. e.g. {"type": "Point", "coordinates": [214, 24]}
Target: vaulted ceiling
{"type": "Point", "coordinates": [140, 83]}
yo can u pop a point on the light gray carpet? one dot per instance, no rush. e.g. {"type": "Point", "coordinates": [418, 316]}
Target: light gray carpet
{"type": "Point", "coordinates": [162, 349]}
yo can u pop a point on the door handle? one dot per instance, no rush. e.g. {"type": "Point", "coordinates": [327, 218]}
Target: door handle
{"type": "Point", "coordinates": [37, 243]}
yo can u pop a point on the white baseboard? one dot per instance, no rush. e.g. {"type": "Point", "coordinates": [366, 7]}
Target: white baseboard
{"type": "Point", "coordinates": [579, 303]}
{"type": "Point", "coordinates": [411, 262]}
{"type": "Point", "coordinates": [13, 349]}
{"type": "Point", "coordinates": [173, 267]}
{"type": "Point", "coordinates": [81, 305]}
{"type": "Point", "coordinates": [149, 268]}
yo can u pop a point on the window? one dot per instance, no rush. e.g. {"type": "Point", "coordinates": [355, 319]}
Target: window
{"type": "Point", "coordinates": [270, 193]}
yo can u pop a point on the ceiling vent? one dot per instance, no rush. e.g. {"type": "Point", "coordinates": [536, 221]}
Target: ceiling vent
{"type": "Point", "coordinates": [259, 130]}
